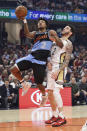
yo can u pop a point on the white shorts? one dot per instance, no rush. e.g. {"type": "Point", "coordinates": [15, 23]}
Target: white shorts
{"type": "Point", "coordinates": [51, 83]}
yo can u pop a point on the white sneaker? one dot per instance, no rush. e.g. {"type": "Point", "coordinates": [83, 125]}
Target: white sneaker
{"type": "Point", "coordinates": [25, 87]}
{"type": "Point", "coordinates": [44, 100]}
{"type": "Point", "coordinates": [84, 128]}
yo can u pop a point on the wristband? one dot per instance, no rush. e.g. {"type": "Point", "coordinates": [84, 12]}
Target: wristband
{"type": "Point", "coordinates": [25, 21]}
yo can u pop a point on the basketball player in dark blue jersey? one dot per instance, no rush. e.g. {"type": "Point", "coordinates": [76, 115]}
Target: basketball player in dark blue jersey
{"type": "Point", "coordinates": [43, 41]}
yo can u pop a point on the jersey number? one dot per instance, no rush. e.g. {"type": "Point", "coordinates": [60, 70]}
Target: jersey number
{"type": "Point", "coordinates": [43, 45]}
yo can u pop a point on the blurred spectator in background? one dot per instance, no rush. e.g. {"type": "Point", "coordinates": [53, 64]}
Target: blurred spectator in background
{"type": "Point", "coordinates": [83, 88]}
{"type": "Point", "coordinates": [75, 90]}
{"type": "Point", "coordinates": [8, 95]}
{"type": "Point", "coordinates": [15, 85]}
{"type": "Point", "coordinates": [5, 74]}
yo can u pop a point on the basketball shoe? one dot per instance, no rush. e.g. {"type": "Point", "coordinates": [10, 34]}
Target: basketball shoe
{"type": "Point", "coordinates": [52, 120]}
{"type": "Point", "coordinates": [59, 122]}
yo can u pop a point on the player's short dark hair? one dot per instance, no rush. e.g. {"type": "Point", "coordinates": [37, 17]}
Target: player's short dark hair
{"type": "Point", "coordinates": [41, 18]}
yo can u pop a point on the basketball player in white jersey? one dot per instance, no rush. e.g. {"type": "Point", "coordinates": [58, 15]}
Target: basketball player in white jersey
{"type": "Point", "coordinates": [57, 69]}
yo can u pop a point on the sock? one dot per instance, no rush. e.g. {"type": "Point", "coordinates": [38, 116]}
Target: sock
{"type": "Point", "coordinates": [61, 115]}
{"type": "Point", "coordinates": [55, 113]}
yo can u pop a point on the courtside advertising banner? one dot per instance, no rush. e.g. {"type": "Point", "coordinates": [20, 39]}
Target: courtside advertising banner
{"type": "Point", "coordinates": [33, 98]}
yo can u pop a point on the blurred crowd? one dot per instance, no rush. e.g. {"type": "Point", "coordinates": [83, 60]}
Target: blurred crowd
{"type": "Point", "coordinates": [77, 76]}
{"type": "Point", "coordinates": [71, 6]}
{"type": "Point", "coordinates": [9, 85]}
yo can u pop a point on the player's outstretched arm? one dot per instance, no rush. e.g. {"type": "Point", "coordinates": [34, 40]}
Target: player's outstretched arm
{"type": "Point", "coordinates": [54, 37]}
{"type": "Point", "coordinates": [26, 30]}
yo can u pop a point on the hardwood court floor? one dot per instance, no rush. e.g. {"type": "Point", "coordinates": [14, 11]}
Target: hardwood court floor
{"type": "Point", "coordinates": [33, 119]}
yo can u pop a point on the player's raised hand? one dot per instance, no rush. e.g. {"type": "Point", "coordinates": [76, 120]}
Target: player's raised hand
{"type": "Point", "coordinates": [21, 18]}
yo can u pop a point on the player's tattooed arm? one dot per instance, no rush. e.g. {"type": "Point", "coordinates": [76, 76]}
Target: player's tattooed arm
{"type": "Point", "coordinates": [69, 50]}
{"type": "Point", "coordinates": [66, 61]}
{"type": "Point", "coordinates": [54, 37]}
{"type": "Point", "coordinates": [26, 29]}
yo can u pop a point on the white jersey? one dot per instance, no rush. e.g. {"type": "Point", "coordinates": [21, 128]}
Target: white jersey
{"type": "Point", "coordinates": [58, 54]}
{"type": "Point", "coordinates": [57, 57]}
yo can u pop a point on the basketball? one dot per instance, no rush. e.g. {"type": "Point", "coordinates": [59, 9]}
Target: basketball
{"type": "Point", "coordinates": [21, 11]}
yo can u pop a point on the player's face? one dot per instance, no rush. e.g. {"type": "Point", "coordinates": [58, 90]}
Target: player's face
{"type": "Point", "coordinates": [66, 30]}
{"type": "Point", "coordinates": [41, 24]}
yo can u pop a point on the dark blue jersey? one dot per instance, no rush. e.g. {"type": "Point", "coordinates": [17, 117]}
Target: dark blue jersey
{"type": "Point", "coordinates": [42, 46]}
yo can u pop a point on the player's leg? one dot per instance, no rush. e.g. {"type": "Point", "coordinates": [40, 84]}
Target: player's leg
{"type": "Point", "coordinates": [21, 65]}
{"type": "Point", "coordinates": [44, 96]}
{"type": "Point", "coordinates": [59, 102]}
{"type": "Point", "coordinates": [50, 87]}
{"type": "Point", "coordinates": [16, 72]}
{"type": "Point", "coordinates": [52, 100]}
{"type": "Point", "coordinates": [39, 75]}
{"type": "Point", "coordinates": [58, 98]}
{"type": "Point", "coordinates": [41, 88]}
